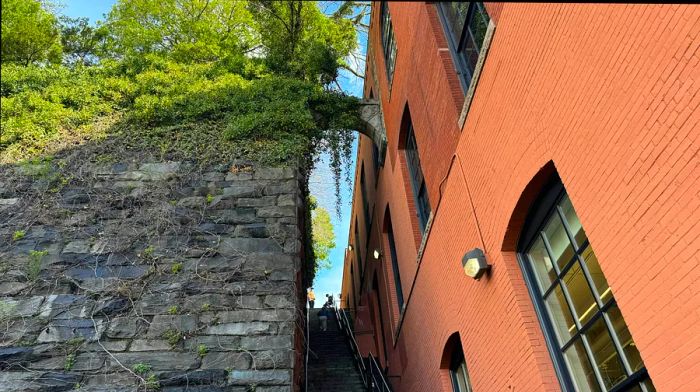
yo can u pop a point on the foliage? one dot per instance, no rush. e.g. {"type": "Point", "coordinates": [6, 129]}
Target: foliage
{"type": "Point", "coordinates": [18, 235]}
{"type": "Point", "coordinates": [176, 268]}
{"type": "Point", "coordinates": [69, 362]}
{"type": "Point", "coordinates": [323, 236]}
{"type": "Point", "coordinates": [202, 350]}
{"type": "Point", "coordinates": [29, 33]}
{"type": "Point", "coordinates": [173, 336]}
{"type": "Point", "coordinates": [182, 30]}
{"type": "Point", "coordinates": [34, 265]}
{"type": "Point", "coordinates": [172, 310]}
{"type": "Point", "coordinates": [81, 42]}
{"type": "Point", "coordinates": [141, 368]}
{"type": "Point", "coordinates": [40, 101]}
{"type": "Point", "coordinates": [301, 41]}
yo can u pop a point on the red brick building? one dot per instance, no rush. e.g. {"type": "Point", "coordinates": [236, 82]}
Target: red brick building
{"type": "Point", "coordinates": [562, 142]}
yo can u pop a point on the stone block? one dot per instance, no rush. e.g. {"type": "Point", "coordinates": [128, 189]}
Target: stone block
{"type": "Point", "coordinates": [287, 200]}
{"type": "Point", "coordinates": [279, 301]}
{"type": "Point", "coordinates": [77, 246]}
{"type": "Point", "coordinates": [194, 378]}
{"type": "Point", "coordinates": [164, 322]}
{"type": "Point", "coordinates": [149, 345]}
{"type": "Point", "coordinates": [245, 328]}
{"type": "Point", "coordinates": [237, 216]}
{"type": "Point", "coordinates": [192, 202]}
{"type": "Point", "coordinates": [125, 327]}
{"type": "Point", "coordinates": [277, 212]}
{"type": "Point", "coordinates": [226, 360]}
{"type": "Point", "coordinates": [247, 315]}
{"type": "Point", "coordinates": [273, 359]}
{"type": "Point", "coordinates": [241, 176]}
{"type": "Point", "coordinates": [240, 246]}
{"type": "Point", "coordinates": [255, 230]}
{"type": "Point", "coordinates": [63, 330]}
{"type": "Point", "coordinates": [242, 190]}
{"type": "Point", "coordinates": [246, 377]}
{"type": "Point", "coordinates": [274, 173]}
{"type": "Point", "coordinates": [258, 343]}
{"type": "Point", "coordinates": [264, 201]}
{"type": "Point", "coordinates": [158, 360]}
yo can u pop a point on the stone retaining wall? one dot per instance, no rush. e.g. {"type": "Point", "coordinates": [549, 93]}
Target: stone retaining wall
{"type": "Point", "coordinates": [159, 276]}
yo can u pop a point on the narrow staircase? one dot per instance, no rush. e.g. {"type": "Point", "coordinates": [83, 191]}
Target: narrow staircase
{"type": "Point", "coordinates": [331, 366]}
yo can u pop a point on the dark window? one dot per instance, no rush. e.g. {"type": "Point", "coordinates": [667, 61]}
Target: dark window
{"type": "Point", "coordinates": [375, 161]}
{"type": "Point", "coordinates": [420, 192]}
{"type": "Point", "coordinates": [465, 25]}
{"type": "Point", "coordinates": [590, 343]}
{"type": "Point", "coordinates": [395, 265]}
{"type": "Point", "coordinates": [365, 201]}
{"type": "Point", "coordinates": [458, 372]}
{"type": "Point", "coordinates": [388, 41]}
{"type": "Point", "coordinates": [358, 257]}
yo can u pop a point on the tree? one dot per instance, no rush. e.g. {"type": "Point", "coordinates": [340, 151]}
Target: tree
{"type": "Point", "coordinates": [80, 40]}
{"type": "Point", "coordinates": [30, 33]}
{"type": "Point", "coordinates": [183, 30]}
{"type": "Point", "coordinates": [323, 236]}
{"type": "Point", "coordinates": [299, 40]}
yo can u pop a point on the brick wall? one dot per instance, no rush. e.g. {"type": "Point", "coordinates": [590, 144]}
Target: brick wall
{"type": "Point", "coordinates": [605, 94]}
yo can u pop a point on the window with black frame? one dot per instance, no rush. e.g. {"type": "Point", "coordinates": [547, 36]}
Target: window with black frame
{"type": "Point", "coordinates": [358, 256]}
{"type": "Point", "coordinates": [591, 344]}
{"type": "Point", "coordinates": [388, 41]}
{"type": "Point", "coordinates": [395, 265]}
{"type": "Point", "coordinates": [420, 191]}
{"type": "Point", "coordinates": [465, 26]}
{"type": "Point", "coordinates": [458, 372]}
{"type": "Point", "coordinates": [365, 201]}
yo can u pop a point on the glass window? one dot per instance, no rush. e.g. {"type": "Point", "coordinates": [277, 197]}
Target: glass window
{"type": "Point", "coordinates": [420, 191]}
{"type": "Point", "coordinates": [395, 266]}
{"type": "Point", "coordinates": [465, 26]}
{"type": "Point", "coordinates": [581, 319]}
{"type": "Point", "coordinates": [365, 201]}
{"type": "Point", "coordinates": [388, 41]}
{"type": "Point", "coordinates": [458, 373]}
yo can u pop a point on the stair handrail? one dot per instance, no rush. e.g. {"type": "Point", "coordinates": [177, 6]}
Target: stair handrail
{"type": "Point", "coordinates": [372, 377]}
{"type": "Point", "coordinates": [344, 325]}
{"type": "Point", "coordinates": [379, 383]}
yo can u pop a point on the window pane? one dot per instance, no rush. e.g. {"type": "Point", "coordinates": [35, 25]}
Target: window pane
{"type": "Point", "coordinates": [625, 338]}
{"type": "Point", "coordinates": [599, 281]}
{"type": "Point", "coordinates": [561, 317]}
{"type": "Point", "coordinates": [580, 368]}
{"type": "Point", "coordinates": [456, 16]}
{"type": "Point", "coordinates": [558, 241]}
{"type": "Point", "coordinates": [572, 220]}
{"type": "Point", "coordinates": [605, 355]}
{"type": "Point", "coordinates": [580, 293]}
{"type": "Point", "coordinates": [478, 24]}
{"type": "Point", "coordinates": [539, 258]}
{"type": "Point", "coordinates": [471, 54]}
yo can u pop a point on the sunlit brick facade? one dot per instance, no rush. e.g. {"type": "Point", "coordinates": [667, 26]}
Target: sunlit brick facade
{"type": "Point", "coordinates": [566, 148]}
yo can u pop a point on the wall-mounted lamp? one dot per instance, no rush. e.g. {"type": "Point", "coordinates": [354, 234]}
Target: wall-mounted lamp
{"type": "Point", "coordinates": [377, 254]}
{"type": "Point", "coordinates": [474, 263]}
{"type": "Point", "coordinates": [350, 248]}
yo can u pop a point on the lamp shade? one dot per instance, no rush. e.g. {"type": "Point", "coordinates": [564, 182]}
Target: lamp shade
{"type": "Point", "coordinates": [474, 263]}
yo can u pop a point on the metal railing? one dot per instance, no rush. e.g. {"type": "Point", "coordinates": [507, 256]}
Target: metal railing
{"type": "Point", "coordinates": [372, 375]}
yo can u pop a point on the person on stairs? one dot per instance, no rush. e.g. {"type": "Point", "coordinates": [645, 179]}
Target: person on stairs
{"type": "Point", "coordinates": [311, 297]}
{"type": "Point", "coordinates": [323, 315]}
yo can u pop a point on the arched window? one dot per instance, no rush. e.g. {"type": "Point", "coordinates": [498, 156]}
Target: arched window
{"type": "Point", "coordinates": [588, 338]}
{"type": "Point", "coordinates": [455, 365]}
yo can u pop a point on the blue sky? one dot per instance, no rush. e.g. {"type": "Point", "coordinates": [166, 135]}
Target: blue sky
{"type": "Point", "coordinates": [321, 179]}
